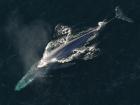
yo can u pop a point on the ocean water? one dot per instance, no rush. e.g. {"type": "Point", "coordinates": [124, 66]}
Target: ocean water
{"type": "Point", "coordinates": [112, 78]}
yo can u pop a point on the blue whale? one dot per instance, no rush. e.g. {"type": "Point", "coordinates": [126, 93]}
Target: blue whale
{"type": "Point", "coordinates": [50, 58]}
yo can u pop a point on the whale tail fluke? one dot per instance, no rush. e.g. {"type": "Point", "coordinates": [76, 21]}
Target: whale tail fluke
{"type": "Point", "coordinates": [120, 15]}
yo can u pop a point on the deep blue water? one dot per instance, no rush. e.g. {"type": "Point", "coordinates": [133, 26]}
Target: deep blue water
{"type": "Point", "coordinates": [112, 78]}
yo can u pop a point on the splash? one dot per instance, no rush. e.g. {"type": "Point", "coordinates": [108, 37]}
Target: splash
{"type": "Point", "coordinates": [64, 35]}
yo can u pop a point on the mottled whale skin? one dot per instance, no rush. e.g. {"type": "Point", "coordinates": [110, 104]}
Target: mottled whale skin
{"type": "Point", "coordinates": [67, 49]}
